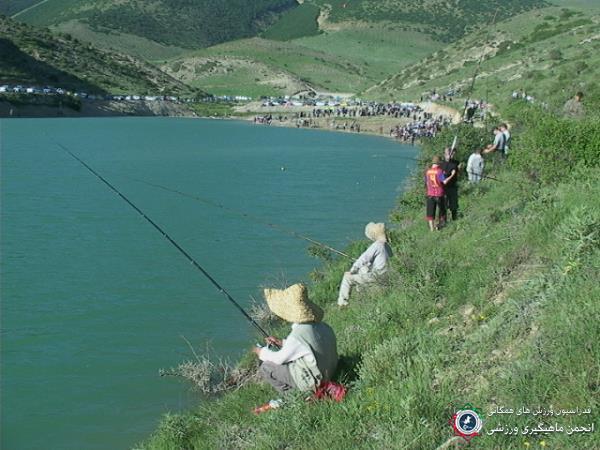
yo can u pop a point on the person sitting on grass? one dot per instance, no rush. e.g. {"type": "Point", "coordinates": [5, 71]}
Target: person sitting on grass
{"type": "Point", "coordinates": [308, 355]}
{"type": "Point", "coordinates": [372, 264]}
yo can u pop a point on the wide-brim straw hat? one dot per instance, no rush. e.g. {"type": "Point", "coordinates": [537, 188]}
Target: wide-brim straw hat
{"type": "Point", "coordinates": [375, 231]}
{"type": "Point", "coordinates": [292, 304]}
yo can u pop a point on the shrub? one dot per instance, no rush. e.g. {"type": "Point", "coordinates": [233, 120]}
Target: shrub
{"type": "Point", "coordinates": [553, 146]}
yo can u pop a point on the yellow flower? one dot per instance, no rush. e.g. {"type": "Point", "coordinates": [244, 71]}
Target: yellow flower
{"type": "Point", "coordinates": [543, 443]}
{"type": "Point", "coordinates": [527, 444]}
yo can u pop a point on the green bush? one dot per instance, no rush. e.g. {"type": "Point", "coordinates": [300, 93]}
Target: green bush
{"type": "Point", "coordinates": [553, 146]}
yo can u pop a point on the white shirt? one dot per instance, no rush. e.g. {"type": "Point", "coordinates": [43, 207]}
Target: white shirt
{"type": "Point", "coordinates": [291, 350]}
{"type": "Point", "coordinates": [375, 258]}
{"type": "Point", "coordinates": [475, 164]}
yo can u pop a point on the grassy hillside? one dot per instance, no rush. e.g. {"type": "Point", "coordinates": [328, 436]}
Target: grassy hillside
{"type": "Point", "coordinates": [497, 309]}
{"type": "Point", "coordinates": [549, 53]}
{"type": "Point", "coordinates": [444, 20]}
{"type": "Point", "coordinates": [31, 56]}
{"type": "Point", "coordinates": [184, 23]}
{"type": "Point", "coordinates": [345, 60]}
{"type": "Point", "coordinates": [296, 23]}
{"type": "Point", "coordinates": [10, 7]}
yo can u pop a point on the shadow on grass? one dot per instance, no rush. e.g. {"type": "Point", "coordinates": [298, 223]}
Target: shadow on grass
{"type": "Point", "coordinates": [348, 365]}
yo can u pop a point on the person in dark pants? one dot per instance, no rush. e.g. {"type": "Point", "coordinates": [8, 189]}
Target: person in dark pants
{"type": "Point", "coordinates": [450, 168]}
{"type": "Point", "coordinates": [434, 182]}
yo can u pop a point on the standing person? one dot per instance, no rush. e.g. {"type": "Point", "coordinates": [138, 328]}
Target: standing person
{"type": "Point", "coordinates": [371, 265]}
{"type": "Point", "coordinates": [498, 144]}
{"type": "Point", "coordinates": [450, 168]}
{"type": "Point", "coordinates": [574, 107]}
{"type": "Point", "coordinates": [308, 355]}
{"type": "Point", "coordinates": [504, 130]}
{"type": "Point", "coordinates": [434, 182]}
{"type": "Point", "coordinates": [475, 166]}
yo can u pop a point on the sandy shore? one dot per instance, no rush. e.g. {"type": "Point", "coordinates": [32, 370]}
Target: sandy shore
{"type": "Point", "coordinates": [374, 125]}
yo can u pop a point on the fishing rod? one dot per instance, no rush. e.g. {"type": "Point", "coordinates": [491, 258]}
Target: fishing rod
{"type": "Point", "coordinates": [244, 215]}
{"type": "Point", "coordinates": [472, 87]}
{"type": "Point", "coordinates": [168, 237]}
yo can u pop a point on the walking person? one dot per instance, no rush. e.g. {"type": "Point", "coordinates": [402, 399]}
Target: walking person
{"type": "Point", "coordinates": [450, 168]}
{"type": "Point", "coordinates": [370, 266]}
{"type": "Point", "coordinates": [308, 355]}
{"type": "Point", "coordinates": [436, 200]}
{"type": "Point", "coordinates": [475, 166]}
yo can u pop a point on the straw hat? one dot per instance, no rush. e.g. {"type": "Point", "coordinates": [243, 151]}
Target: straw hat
{"type": "Point", "coordinates": [292, 304]}
{"type": "Point", "coordinates": [375, 231]}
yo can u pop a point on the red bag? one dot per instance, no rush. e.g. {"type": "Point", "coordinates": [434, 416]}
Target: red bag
{"type": "Point", "coordinates": [332, 390]}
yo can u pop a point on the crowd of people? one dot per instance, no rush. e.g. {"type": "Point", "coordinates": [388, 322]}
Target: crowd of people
{"type": "Point", "coordinates": [425, 126]}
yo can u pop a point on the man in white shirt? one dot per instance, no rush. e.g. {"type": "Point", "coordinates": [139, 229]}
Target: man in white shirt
{"type": "Point", "coordinates": [370, 265]}
{"type": "Point", "coordinates": [475, 166]}
{"type": "Point", "coordinates": [498, 144]}
{"type": "Point", "coordinates": [308, 355]}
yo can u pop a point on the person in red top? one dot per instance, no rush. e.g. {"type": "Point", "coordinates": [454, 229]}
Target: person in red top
{"type": "Point", "coordinates": [435, 182]}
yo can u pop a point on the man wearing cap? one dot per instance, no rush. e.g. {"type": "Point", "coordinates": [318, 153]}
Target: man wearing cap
{"type": "Point", "coordinates": [370, 265]}
{"type": "Point", "coordinates": [308, 355]}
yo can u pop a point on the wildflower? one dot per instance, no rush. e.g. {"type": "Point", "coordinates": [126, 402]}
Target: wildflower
{"type": "Point", "coordinates": [543, 443]}
{"type": "Point", "coordinates": [527, 444]}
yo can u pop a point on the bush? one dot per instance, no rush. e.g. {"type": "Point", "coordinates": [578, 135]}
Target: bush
{"type": "Point", "coordinates": [553, 146]}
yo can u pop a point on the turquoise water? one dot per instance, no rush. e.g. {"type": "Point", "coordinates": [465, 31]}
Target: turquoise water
{"type": "Point", "coordinates": [94, 301]}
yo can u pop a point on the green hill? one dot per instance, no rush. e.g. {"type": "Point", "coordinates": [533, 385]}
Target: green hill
{"type": "Point", "coordinates": [32, 56]}
{"type": "Point", "coordinates": [549, 54]}
{"type": "Point", "coordinates": [183, 23]}
{"type": "Point", "coordinates": [444, 20]}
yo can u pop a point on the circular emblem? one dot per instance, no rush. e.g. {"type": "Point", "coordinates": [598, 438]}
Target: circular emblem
{"type": "Point", "coordinates": [467, 423]}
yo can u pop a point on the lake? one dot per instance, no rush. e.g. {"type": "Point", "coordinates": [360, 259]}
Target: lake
{"type": "Point", "coordinates": [94, 301]}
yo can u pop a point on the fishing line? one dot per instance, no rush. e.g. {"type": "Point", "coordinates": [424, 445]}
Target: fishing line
{"type": "Point", "coordinates": [242, 214]}
{"type": "Point", "coordinates": [472, 87]}
{"type": "Point", "coordinates": [168, 238]}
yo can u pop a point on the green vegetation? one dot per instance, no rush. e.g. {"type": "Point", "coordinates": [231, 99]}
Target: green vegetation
{"type": "Point", "coordinates": [445, 21]}
{"type": "Point", "coordinates": [42, 100]}
{"type": "Point", "coordinates": [348, 60]}
{"type": "Point", "coordinates": [8, 8]}
{"type": "Point", "coordinates": [496, 309]}
{"type": "Point", "coordinates": [296, 23]}
{"type": "Point", "coordinates": [38, 57]}
{"type": "Point", "coordinates": [183, 23]}
{"type": "Point", "coordinates": [548, 58]}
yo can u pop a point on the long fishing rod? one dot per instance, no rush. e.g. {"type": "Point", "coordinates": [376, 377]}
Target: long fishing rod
{"type": "Point", "coordinates": [244, 215]}
{"type": "Point", "coordinates": [169, 238]}
{"type": "Point", "coordinates": [472, 87]}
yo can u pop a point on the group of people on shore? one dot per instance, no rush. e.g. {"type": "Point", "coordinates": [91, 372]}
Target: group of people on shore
{"type": "Point", "coordinates": [308, 356]}
{"type": "Point", "coordinates": [441, 179]}
{"type": "Point", "coordinates": [426, 126]}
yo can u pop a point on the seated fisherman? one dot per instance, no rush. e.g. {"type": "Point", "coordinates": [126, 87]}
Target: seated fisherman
{"type": "Point", "coordinates": [308, 355]}
{"type": "Point", "coordinates": [370, 265]}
